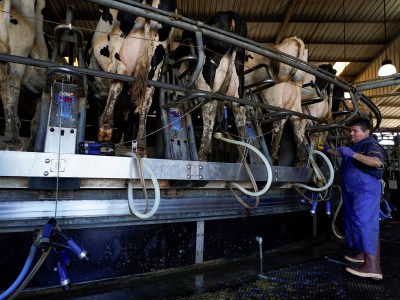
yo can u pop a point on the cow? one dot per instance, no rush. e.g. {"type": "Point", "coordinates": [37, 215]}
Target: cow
{"type": "Point", "coordinates": [129, 45]}
{"type": "Point", "coordinates": [223, 73]}
{"type": "Point", "coordinates": [322, 109]}
{"type": "Point", "coordinates": [331, 94]}
{"type": "Point", "coordinates": [286, 93]}
{"type": "Point", "coordinates": [21, 34]}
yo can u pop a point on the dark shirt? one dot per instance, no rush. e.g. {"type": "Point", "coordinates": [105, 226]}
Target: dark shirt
{"type": "Point", "coordinates": [370, 147]}
{"type": "Point", "coordinates": [373, 150]}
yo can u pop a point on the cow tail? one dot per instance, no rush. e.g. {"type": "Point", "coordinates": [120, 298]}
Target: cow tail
{"type": "Point", "coordinates": [139, 86]}
{"type": "Point", "coordinates": [4, 22]}
{"type": "Point", "coordinates": [4, 48]}
{"type": "Point", "coordinates": [227, 80]}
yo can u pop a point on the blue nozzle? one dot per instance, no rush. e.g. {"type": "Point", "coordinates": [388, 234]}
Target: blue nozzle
{"type": "Point", "coordinates": [313, 209]}
{"type": "Point", "coordinates": [92, 151]}
{"type": "Point", "coordinates": [45, 240]}
{"type": "Point", "coordinates": [65, 282]}
{"type": "Point", "coordinates": [328, 208]}
{"type": "Point", "coordinates": [78, 251]}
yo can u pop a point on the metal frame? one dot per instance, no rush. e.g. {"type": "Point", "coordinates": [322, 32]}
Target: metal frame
{"type": "Point", "coordinates": [18, 167]}
{"type": "Point", "coordinates": [181, 22]}
{"type": "Point", "coordinates": [37, 164]}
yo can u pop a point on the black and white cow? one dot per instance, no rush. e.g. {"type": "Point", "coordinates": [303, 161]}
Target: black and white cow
{"type": "Point", "coordinates": [21, 34]}
{"type": "Point", "coordinates": [223, 72]}
{"type": "Point", "coordinates": [129, 45]}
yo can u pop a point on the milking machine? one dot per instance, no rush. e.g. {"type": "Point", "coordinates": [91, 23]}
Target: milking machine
{"type": "Point", "coordinates": [47, 239]}
{"type": "Point", "coordinates": [62, 120]}
{"type": "Point", "coordinates": [63, 108]}
{"type": "Point", "coordinates": [61, 130]}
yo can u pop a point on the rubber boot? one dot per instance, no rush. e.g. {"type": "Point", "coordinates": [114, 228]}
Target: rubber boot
{"type": "Point", "coordinates": [371, 268]}
{"type": "Point", "coordinates": [355, 258]}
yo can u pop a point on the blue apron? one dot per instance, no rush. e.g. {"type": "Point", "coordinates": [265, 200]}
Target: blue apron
{"type": "Point", "coordinates": [361, 194]}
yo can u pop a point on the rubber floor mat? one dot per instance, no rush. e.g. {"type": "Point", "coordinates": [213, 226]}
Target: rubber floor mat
{"type": "Point", "coordinates": [321, 279]}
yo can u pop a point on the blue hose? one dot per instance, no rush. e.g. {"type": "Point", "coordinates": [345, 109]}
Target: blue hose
{"type": "Point", "coordinates": [22, 275]}
{"type": "Point", "coordinates": [386, 215]}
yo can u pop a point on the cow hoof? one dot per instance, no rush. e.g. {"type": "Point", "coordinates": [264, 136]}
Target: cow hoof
{"type": "Point", "coordinates": [105, 133]}
{"type": "Point", "coordinates": [14, 144]}
{"type": "Point", "coordinates": [275, 159]}
{"type": "Point", "coordinates": [202, 156]}
{"type": "Point", "coordinates": [141, 151]}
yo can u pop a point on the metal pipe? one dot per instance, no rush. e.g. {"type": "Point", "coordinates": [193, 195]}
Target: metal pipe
{"type": "Point", "coordinates": [259, 239]}
{"type": "Point", "coordinates": [178, 21]}
{"type": "Point", "coordinates": [200, 61]}
{"type": "Point", "coordinates": [43, 120]}
{"type": "Point", "coordinates": [158, 84]}
{"type": "Point", "coordinates": [394, 80]}
{"type": "Point", "coordinates": [191, 25]}
{"type": "Point", "coordinates": [164, 122]}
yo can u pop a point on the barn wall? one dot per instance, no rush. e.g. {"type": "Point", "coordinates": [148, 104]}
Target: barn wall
{"type": "Point", "coordinates": [390, 114]}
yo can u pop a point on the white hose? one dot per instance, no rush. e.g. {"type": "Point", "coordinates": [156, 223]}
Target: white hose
{"type": "Point", "coordinates": [331, 175]}
{"type": "Point", "coordinates": [267, 165]}
{"type": "Point", "coordinates": [156, 192]}
{"type": "Point", "coordinates": [334, 228]}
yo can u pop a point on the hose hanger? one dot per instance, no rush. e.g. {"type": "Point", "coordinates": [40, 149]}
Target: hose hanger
{"type": "Point", "coordinates": [318, 174]}
{"type": "Point", "coordinates": [256, 193]}
{"type": "Point", "coordinates": [132, 208]}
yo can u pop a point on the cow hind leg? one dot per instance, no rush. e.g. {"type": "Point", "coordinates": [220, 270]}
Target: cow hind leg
{"type": "Point", "coordinates": [34, 126]}
{"type": "Point", "coordinates": [277, 132]}
{"type": "Point", "coordinates": [143, 110]}
{"type": "Point", "coordinates": [209, 111]}
{"type": "Point", "coordinates": [299, 126]}
{"type": "Point", "coordinates": [240, 120]}
{"type": "Point", "coordinates": [107, 118]}
{"type": "Point", "coordinates": [9, 95]}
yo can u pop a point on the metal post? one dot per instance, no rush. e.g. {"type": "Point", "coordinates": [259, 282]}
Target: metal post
{"type": "Point", "coordinates": [199, 242]}
{"type": "Point", "coordinates": [259, 239]}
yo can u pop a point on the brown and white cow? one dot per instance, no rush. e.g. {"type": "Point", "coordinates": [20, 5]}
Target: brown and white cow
{"type": "Point", "coordinates": [21, 34]}
{"type": "Point", "coordinates": [129, 45]}
{"type": "Point", "coordinates": [223, 73]}
{"type": "Point", "coordinates": [286, 93]}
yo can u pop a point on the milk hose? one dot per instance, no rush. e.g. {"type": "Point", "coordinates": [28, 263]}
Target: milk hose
{"type": "Point", "coordinates": [334, 228]}
{"type": "Point", "coordinates": [331, 175]}
{"type": "Point", "coordinates": [218, 135]}
{"type": "Point", "coordinates": [23, 273]}
{"type": "Point", "coordinates": [156, 186]}
{"type": "Point", "coordinates": [386, 215]}
{"type": "Point", "coordinates": [32, 273]}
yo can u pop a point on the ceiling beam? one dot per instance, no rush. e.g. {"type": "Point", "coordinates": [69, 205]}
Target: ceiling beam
{"type": "Point", "coordinates": [386, 96]}
{"type": "Point", "coordinates": [361, 44]}
{"type": "Point", "coordinates": [292, 4]}
{"type": "Point", "coordinates": [315, 21]}
{"type": "Point", "coordinates": [388, 105]}
{"type": "Point", "coordinates": [338, 58]}
{"type": "Point", "coordinates": [250, 19]}
{"type": "Point", "coordinates": [314, 43]}
{"type": "Point", "coordinates": [390, 117]}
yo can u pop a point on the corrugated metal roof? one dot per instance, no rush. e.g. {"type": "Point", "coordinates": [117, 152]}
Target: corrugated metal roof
{"type": "Point", "coordinates": [332, 32]}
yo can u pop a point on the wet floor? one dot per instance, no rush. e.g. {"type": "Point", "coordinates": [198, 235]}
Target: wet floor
{"type": "Point", "coordinates": [313, 269]}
